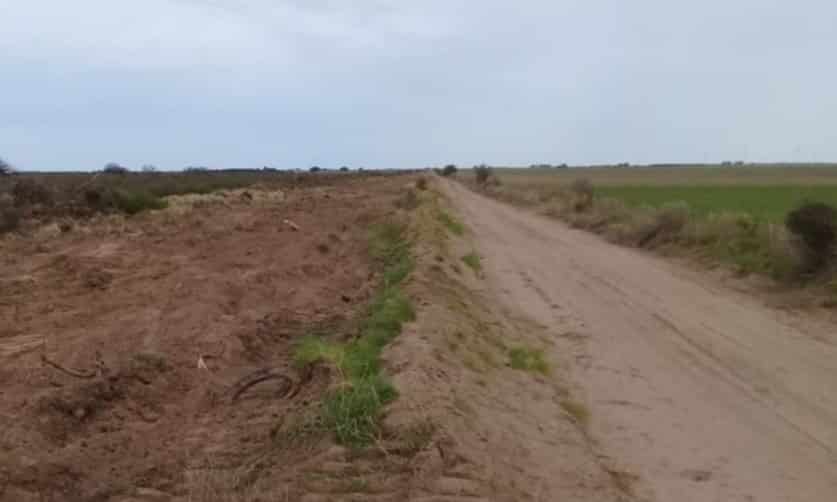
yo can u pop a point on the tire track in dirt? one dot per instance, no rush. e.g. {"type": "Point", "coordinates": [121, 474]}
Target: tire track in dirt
{"type": "Point", "coordinates": [703, 392]}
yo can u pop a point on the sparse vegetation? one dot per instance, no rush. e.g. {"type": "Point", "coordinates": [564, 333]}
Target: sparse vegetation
{"type": "Point", "coordinates": [132, 203]}
{"type": "Point", "coordinates": [526, 359]}
{"type": "Point", "coordinates": [472, 259]}
{"type": "Point", "coordinates": [45, 197]}
{"type": "Point", "coordinates": [453, 225]}
{"type": "Point", "coordinates": [352, 412]}
{"type": "Point", "coordinates": [578, 411]}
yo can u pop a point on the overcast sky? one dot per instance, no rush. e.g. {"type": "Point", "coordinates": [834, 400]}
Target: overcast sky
{"type": "Point", "coordinates": [395, 83]}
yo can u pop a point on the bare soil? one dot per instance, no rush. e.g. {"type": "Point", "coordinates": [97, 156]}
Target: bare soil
{"type": "Point", "coordinates": [127, 347]}
{"type": "Point", "coordinates": [694, 391]}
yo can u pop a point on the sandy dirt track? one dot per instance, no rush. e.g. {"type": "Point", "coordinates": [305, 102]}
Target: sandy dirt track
{"type": "Point", "coordinates": [701, 392]}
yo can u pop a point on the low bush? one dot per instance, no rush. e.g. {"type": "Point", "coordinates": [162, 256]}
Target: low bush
{"type": "Point", "coordinates": [27, 192]}
{"type": "Point", "coordinates": [482, 173]}
{"type": "Point", "coordinates": [815, 226]}
{"type": "Point", "coordinates": [135, 202]}
{"type": "Point", "coordinates": [449, 170]}
{"type": "Point", "coordinates": [666, 225]}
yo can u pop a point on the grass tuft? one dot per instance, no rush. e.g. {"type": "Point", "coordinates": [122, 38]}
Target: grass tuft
{"type": "Point", "coordinates": [313, 349]}
{"type": "Point", "coordinates": [353, 411]}
{"type": "Point", "coordinates": [453, 225]}
{"type": "Point", "coordinates": [472, 259]}
{"type": "Point", "coordinates": [577, 410]}
{"type": "Point", "coordinates": [521, 358]}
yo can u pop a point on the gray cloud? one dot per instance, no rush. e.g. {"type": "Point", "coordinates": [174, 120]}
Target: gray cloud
{"type": "Point", "coordinates": [390, 83]}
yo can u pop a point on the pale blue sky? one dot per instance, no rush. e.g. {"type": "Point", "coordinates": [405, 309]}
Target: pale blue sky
{"type": "Point", "coordinates": [391, 83]}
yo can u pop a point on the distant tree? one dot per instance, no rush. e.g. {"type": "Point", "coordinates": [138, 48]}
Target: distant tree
{"type": "Point", "coordinates": [449, 170]}
{"type": "Point", "coordinates": [114, 168]}
{"type": "Point", "coordinates": [344, 169]}
{"type": "Point", "coordinates": [562, 166]}
{"type": "Point", "coordinates": [315, 169]}
{"type": "Point", "coordinates": [149, 168]}
{"type": "Point", "coordinates": [196, 169]}
{"type": "Point", "coordinates": [6, 169]}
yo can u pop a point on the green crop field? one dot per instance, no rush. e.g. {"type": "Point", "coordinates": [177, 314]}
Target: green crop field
{"type": "Point", "coordinates": [771, 202]}
{"type": "Point", "coordinates": [763, 192]}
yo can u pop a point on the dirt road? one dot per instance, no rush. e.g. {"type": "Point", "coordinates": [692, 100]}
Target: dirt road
{"type": "Point", "coordinates": [702, 392]}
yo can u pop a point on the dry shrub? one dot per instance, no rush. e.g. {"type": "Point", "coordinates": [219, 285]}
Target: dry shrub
{"type": "Point", "coordinates": [719, 227]}
{"type": "Point", "coordinates": [583, 191]}
{"type": "Point", "coordinates": [666, 225]}
{"type": "Point", "coordinates": [421, 183]}
{"type": "Point", "coordinates": [9, 218]}
{"type": "Point", "coordinates": [408, 201]}
{"type": "Point", "coordinates": [815, 226]}
{"type": "Point", "coordinates": [28, 192]}
{"type": "Point", "coordinates": [482, 174]}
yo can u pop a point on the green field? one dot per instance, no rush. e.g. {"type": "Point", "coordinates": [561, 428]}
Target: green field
{"type": "Point", "coordinates": [763, 192]}
{"type": "Point", "coordinates": [770, 202]}
{"type": "Point", "coordinates": [673, 176]}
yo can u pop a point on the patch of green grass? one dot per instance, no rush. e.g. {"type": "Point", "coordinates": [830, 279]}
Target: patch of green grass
{"type": "Point", "coordinates": [522, 358]}
{"type": "Point", "coordinates": [769, 203]}
{"type": "Point", "coordinates": [388, 244]}
{"type": "Point", "coordinates": [353, 411]}
{"type": "Point", "coordinates": [472, 259]}
{"type": "Point", "coordinates": [312, 349]}
{"type": "Point", "coordinates": [454, 226]}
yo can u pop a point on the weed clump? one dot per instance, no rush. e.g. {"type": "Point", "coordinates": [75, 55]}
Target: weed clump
{"type": "Point", "coordinates": [578, 411]}
{"type": "Point", "coordinates": [583, 192]}
{"type": "Point", "coordinates": [451, 224]}
{"type": "Point", "coordinates": [815, 226]}
{"type": "Point", "coordinates": [522, 358]}
{"type": "Point", "coordinates": [472, 259]}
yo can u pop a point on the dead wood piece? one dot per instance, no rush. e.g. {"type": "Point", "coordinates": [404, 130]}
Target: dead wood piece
{"type": "Point", "coordinates": [78, 374]}
{"type": "Point", "coordinates": [261, 376]}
